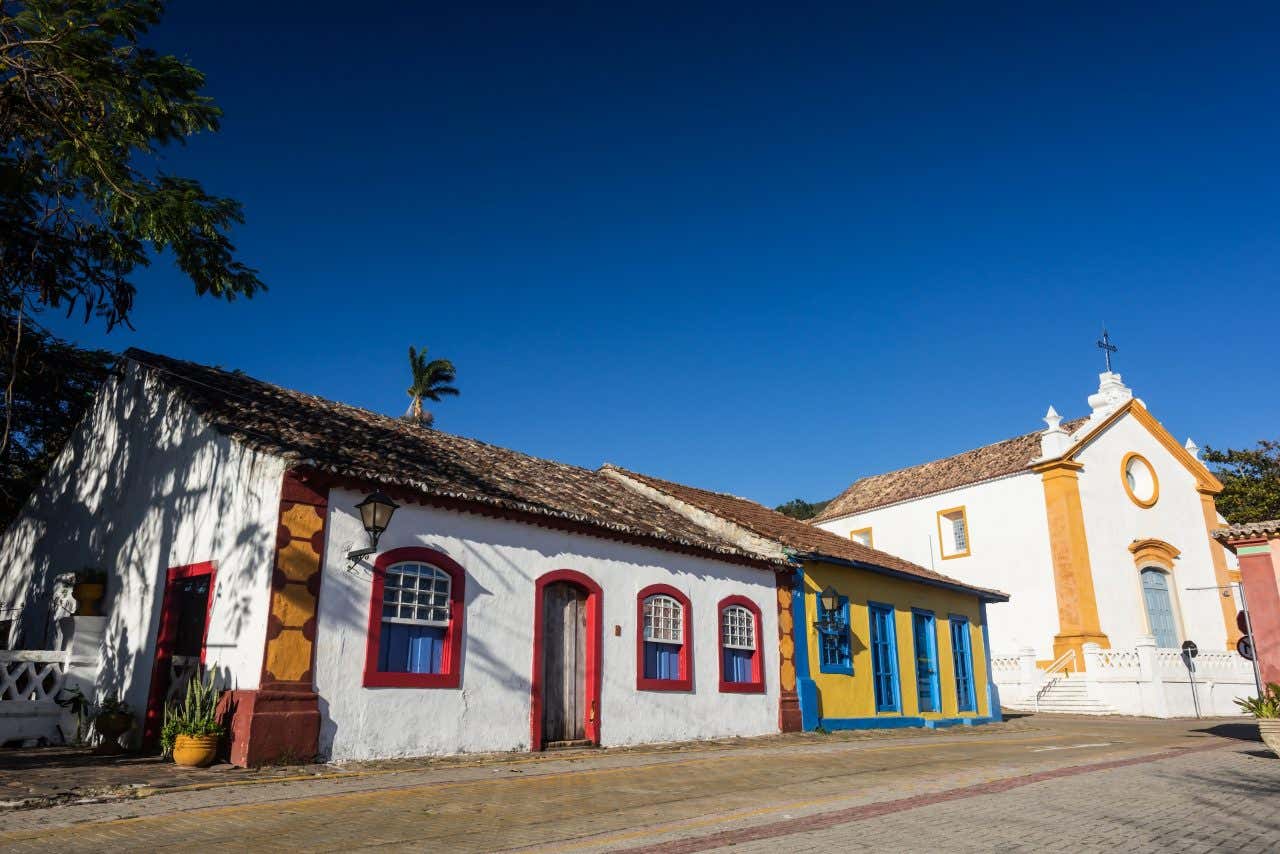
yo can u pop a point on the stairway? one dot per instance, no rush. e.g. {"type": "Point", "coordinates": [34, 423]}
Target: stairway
{"type": "Point", "coordinates": [1063, 695]}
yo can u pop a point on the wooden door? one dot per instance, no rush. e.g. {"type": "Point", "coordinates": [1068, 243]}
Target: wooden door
{"type": "Point", "coordinates": [564, 663]}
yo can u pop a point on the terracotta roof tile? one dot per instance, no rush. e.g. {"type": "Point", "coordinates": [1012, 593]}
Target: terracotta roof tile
{"type": "Point", "coordinates": [991, 461]}
{"type": "Point", "coordinates": [349, 442]}
{"type": "Point", "coordinates": [796, 535]}
{"type": "Point", "coordinates": [1244, 530]}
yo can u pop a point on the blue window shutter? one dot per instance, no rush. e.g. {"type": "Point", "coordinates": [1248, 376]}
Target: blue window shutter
{"type": "Point", "coordinates": [884, 658]}
{"type": "Point", "coordinates": [963, 664]}
{"type": "Point", "coordinates": [1155, 593]}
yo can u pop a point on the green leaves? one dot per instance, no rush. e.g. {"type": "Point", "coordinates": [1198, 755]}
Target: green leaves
{"type": "Point", "coordinates": [196, 714]}
{"type": "Point", "coordinates": [1250, 480]}
{"type": "Point", "coordinates": [83, 105]}
{"type": "Point", "coordinates": [431, 381]}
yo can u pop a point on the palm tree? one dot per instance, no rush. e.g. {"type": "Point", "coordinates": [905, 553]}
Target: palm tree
{"type": "Point", "coordinates": [431, 381]}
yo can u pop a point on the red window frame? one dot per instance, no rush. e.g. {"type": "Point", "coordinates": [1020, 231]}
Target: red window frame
{"type": "Point", "coordinates": [451, 655]}
{"type": "Point", "coordinates": [756, 685]}
{"type": "Point", "coordinates": [685, 682]}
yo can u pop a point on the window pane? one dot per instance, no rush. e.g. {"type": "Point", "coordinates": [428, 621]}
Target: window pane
{"type": "Point", "coordinates": [663, 619]}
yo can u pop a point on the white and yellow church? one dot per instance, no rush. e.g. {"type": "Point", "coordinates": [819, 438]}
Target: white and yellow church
{"type": "Point", "coordinates": [1100, 529]}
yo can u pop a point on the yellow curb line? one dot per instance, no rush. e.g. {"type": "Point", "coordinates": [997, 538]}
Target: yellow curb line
{"type": "Point", "coordinates": [444, 785]}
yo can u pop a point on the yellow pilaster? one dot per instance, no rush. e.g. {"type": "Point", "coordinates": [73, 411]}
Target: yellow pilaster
{"type": "Point", "coordinates": [1078, 622]}
{"type": "Point", "coordinates": [1221, 572]}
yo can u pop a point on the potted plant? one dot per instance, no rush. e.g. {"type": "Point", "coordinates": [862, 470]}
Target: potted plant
{"type": "Point", "coordinates": [112, 720]}
{"type": "Point", "coordinates": [79, 705]}
{"type": "Point", "coordinates": [1267, 711]}
{"type": "Point", "coordinates": [191, 728]}
{"type": "Point", "coordinates": [88, 590]}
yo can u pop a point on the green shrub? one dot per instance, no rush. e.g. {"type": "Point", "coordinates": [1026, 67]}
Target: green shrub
{"type": "Point", "coordinates": [195, 715]}
{"type": "Point", "coordinates": [1266, 706]}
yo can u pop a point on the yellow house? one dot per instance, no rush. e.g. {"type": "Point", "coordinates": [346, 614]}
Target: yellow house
{"type": "Point", "coordinates": [867, 639]}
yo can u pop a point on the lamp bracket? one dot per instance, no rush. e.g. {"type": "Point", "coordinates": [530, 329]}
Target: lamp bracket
{"type": "Point", "coordinates": [356, 555]}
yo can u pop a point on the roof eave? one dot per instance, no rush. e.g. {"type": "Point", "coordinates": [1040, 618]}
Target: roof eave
{"type": "Point", "coordinates": [981, 593]}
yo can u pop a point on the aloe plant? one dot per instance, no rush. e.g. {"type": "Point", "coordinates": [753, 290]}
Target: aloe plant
{"type": "Point", "coordinates": [195, 715]}
{"type": "Point", "coordinates": [1266, 706]}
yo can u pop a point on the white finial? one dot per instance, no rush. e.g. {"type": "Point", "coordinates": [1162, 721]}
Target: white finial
{"type": "Point", "coordinates": [1192, 448]}
{"type": "Point", "coordinates": [1112, 393]}
{"type": "Point", "coordinates": [1054, 441]}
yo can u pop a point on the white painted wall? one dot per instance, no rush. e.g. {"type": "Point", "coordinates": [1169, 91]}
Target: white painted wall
{"type": "Point", "coordinates": [144, 485]}
{"type": "Point", "coordinates": [1008, 550]}
{"type": "Point", "coordinates": [1009, 540]}
{"type": "Point", "coordinates": [1113, 522]}
{"type": "Point", "coordinates": [491, 710]}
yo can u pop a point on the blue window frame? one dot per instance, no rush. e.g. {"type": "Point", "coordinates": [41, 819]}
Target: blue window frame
{"type": "Point", "coordinates": [884, 657]}
{"type": "Point", "coordinates": [834, 655]}
{"type": "Point", "coordinates": [924, 634]}
{"type": "Point", "coordinates": [962, 663]}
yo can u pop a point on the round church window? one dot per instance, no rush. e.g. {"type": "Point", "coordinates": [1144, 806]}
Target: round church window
{"type": "Point", "coordinates": [1140, 480]}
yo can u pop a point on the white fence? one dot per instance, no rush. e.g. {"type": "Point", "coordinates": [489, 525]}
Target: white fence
{"type": "Point", "coordinates": [30, 682]}
{"type": "Point", "coordinates": [1145, 680]}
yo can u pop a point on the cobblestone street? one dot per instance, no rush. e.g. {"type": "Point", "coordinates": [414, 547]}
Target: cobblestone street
{"type": "Point", "coordinates": [1035, 783]}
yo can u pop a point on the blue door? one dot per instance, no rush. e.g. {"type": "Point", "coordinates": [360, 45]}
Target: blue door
{"type": "Point", "coordinates": [926, 642]}
{"type": "Point", "coordinates": [1155, 592]}
{"type": "Point", "coordinates": [962, 663]}
{"type": "Point", "coordinates": [884, 658]}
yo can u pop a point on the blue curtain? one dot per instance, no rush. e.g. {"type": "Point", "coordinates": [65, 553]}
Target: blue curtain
{"type": "Point", "coordinates": [404, 648]}
{"type": "Point", "coordinates": [737, 665]}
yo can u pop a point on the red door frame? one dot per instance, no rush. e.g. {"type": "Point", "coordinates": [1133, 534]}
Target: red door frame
{"type": "Point", "coordinates": [166, 635]}
{"type": "Point", "coordinates": [595, 634]}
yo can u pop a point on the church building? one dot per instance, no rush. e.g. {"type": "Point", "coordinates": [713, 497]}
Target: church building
{"type": "Point", "coordinates": [1100, 529]}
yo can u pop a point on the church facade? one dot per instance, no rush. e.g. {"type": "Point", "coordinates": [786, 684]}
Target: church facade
{"type": "Point", "coordinates": [1099, 528]}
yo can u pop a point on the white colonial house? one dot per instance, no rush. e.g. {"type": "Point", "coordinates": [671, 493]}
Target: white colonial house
{"type": "Point", "coordinates": [1099, 528]}
{"type": "Point", "coordinates": [511, 603]}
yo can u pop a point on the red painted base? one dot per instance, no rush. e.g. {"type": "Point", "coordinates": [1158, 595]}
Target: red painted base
{"type": "Point", "coordinates": [789, 718]}
{"type": "Point", "coordinates": [275, 725]}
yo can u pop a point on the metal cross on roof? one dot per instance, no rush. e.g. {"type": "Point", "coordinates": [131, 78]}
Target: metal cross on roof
{"type": "Point", "coordinates": [1105, 345]}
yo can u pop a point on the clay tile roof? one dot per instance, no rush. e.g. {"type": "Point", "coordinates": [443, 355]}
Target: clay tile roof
{"type": "Point", "coordinates": [991, 461]}
{"type": "Point", "coordinates": [799, 536]}
{"type": "Point", "coordinates": [1244, 530]}
{"type": "Point", "coordinates": [353, 443]}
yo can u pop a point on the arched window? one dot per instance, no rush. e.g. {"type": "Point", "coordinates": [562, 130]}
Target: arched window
{"type": "Point", "coordinates": [1155, 595]}
{"type": "Point", "coordinates": [664, 640]}
{"type": "Point", "coordinates": [415, 621]}
{"type": "Point", "coordinates": [741, 667]}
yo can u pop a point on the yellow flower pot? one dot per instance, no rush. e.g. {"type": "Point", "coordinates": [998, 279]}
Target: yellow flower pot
{"type": "Point", "coordinates": [195, 751]}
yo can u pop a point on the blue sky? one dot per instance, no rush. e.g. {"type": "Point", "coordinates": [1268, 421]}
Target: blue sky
{"type": "Point", "coordinates": [759, 249]}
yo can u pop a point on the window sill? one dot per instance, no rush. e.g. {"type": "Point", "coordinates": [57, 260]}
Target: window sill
{"type": "Point", "coordinates": [411, 680]}
{"type": "Point", "coordinates": [643, 684]}
{"type": "Point", "coordinates": [835, 670]}
{"type": "Point", "coordinates": [742, 687]}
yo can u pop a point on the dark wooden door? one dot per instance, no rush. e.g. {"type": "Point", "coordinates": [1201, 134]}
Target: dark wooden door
{"type": "Point", "coordinates": [564, 663]}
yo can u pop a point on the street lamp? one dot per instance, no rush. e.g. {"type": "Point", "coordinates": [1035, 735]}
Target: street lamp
{"type": "Point", "coordinates": [375, 514]}
{"type": "Point", "coordinates": [830, 599]}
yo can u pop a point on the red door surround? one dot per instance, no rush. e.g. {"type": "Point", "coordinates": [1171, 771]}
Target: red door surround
{"type": "Point", "coordinates": [595, 634]}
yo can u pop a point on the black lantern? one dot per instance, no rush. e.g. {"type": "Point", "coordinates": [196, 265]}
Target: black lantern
{"type": "Point", "coordinates": [830, 599]}
{"type": "Point", "coordinates": [375, 514]}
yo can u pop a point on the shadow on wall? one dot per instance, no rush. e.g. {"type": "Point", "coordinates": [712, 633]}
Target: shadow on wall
{"type": "Point", "coordinates": [143, 485]}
